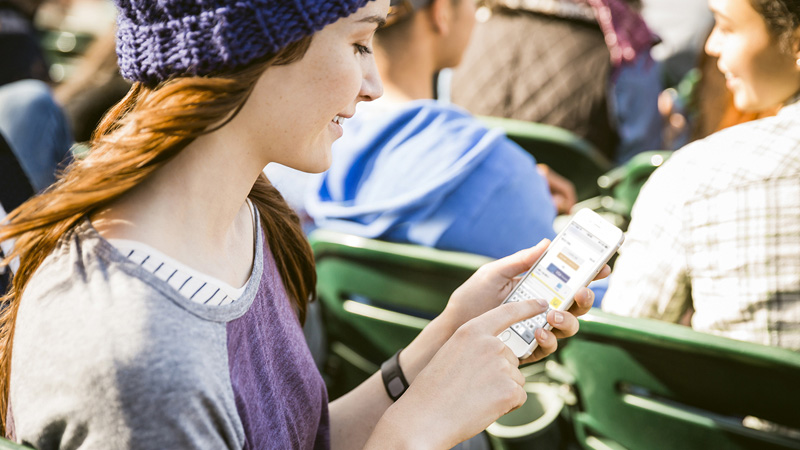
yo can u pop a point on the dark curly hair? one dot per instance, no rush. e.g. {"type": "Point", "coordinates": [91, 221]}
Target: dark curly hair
{"type": "Point", "coordinates": [782, 18]}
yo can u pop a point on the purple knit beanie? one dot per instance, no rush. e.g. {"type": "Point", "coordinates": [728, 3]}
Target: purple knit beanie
{"type": "Point", "coordinates": [159, 39]}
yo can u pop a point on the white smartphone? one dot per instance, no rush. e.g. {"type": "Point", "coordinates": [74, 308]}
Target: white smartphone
{"type": "Point", "coordinates": [571, 262]}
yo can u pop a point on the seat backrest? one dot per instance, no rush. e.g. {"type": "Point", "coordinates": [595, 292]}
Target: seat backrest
{"type": "Point", "coordinates": [5, 444]}
{"type": "Point", "coordinates": [647, 384]}
{"type": "Point", "coordinates": [377, 296]}
{"type": "Point", "coordinates": [624, 183]}
{"type": "Point", "coordinates": [565, 152]}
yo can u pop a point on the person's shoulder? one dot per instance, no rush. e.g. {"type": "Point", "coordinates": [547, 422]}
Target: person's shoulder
{"type": "Point", "coordinates": [736, 146]}
{"type": "Point", "coordinates": [422, 114]}
{"type": "Point", "coordinates": [85, 269]}
{"type": "Point", "coordinates": [743, 154]}
{"type": "Point", "coordinates": [779, 134]}
{"type": "Point", "coordinates": [453, 125]}
{"type": "Point", "coordinates": [450, 129]}
{"type": "Point", "coordinates": [409, 118]}
{"type": "Point", "coordinates": [95, 295]}
{"type": "Point", "coordinates": [112, 347]}
{"type": "Point", "coordinates": [457, 119]}
{"type": "Point", "coordinates": [444, 112]}
{"type": "Point", "coordinates": [747, 153]}
{"type": "Point", "coordinates": [504, 151]}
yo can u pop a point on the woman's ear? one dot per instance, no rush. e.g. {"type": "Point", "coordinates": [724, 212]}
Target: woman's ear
{"type": "Point", "coordinates": [441, 16]}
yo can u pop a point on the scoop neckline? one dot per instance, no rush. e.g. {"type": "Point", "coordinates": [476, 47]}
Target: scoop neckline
{"type": "Point", "coordinates": [223, 313]}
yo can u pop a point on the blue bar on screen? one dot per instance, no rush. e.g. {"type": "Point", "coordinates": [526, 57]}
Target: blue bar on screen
{"type": "Point", "coordinates": [558, 272]}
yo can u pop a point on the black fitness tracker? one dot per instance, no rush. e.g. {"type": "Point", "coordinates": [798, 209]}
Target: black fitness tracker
{"type": "Point", "coordinates": [393, 379]}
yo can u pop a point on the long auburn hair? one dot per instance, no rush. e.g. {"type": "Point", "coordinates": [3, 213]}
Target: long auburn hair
{"type": "Point", "coordinates": [135, 138]}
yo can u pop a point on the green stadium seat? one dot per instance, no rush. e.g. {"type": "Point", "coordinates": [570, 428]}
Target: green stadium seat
{"type": "Point", "coordinates": [619, 188]}
{"type": "Point", "coordinates": [5, 444]}
{"type": "Point", "coordinates": [623, 183]}
{"type": "Point", "coordinates": [644, 384]}
{"type": "Point", "coordinates": [565, 152]}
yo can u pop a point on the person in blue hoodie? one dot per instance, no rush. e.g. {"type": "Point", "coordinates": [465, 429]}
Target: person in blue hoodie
{"type": "Point", "coordinates": [412, 169]}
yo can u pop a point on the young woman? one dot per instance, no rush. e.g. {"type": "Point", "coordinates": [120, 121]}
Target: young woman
{"type": "Point", "coordinates": [715, 230]}
{"type": "Point", "coordinates": [163, 281]}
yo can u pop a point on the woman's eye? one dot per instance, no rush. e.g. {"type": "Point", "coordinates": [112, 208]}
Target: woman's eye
{"type": "Point", "coordinates": [362, 49]}
{"type": "Point", "coordinates": [722, 28]}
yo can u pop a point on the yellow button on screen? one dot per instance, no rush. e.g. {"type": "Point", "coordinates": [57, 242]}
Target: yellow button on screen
{"type": "Point", "coordinates": [555, 302]}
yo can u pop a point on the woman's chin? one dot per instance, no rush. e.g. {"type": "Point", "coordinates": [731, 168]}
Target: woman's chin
{"type": "Point", "coordinates": [744, 103]}
{"type": "Point", "coordinates": [315, 166]}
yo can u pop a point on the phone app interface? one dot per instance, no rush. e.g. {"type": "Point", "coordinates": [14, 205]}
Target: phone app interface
{"type": "Point", "coordinates": [569, 261]}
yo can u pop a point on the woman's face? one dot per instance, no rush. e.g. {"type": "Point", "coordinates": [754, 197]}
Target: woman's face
{"type": "Point", "coordinates": [293, 111]}
{"type": "Point", "coordinates": [757, 72]}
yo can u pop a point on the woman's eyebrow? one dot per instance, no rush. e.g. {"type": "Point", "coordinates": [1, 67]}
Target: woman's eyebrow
{"type": "Point", "coordinates": [718, 14]}
{"type": "Point", "coordinates": [380, 20]}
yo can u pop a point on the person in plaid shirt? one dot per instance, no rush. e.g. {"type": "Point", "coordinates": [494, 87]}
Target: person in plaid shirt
{"type": "Point", "coordinates": [716, 230]}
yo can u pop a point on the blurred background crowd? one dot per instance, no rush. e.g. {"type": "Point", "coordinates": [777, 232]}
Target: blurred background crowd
{"type": "Point", "coordinates": [499, 119]}
{"type": "Point", "coordinates": [639, 82]}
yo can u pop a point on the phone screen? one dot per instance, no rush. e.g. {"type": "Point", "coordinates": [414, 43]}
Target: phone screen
{"type": "Point", "coordinates": [563, 269]}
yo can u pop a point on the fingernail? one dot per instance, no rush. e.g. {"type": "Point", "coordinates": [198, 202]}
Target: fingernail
{"type": "Point", "coordinates": [541, 303]}
{"type": "Point", "coordinates": [558, 317]}
{"type": "Point", "coordinates": [544, 334]}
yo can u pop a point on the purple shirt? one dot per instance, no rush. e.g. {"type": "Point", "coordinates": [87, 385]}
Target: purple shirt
{"type": "Point", "coordinates": [279, 393]}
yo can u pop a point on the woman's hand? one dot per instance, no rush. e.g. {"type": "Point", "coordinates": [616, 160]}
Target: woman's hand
{"type": "Point", "coordinates": [484, 291]}
{"type": "Point", "coordinates": [470, 382]}
{"type": "Point", "coordinates": [492, 283]}
{"type": "Point", "coordinates": [462, 377]}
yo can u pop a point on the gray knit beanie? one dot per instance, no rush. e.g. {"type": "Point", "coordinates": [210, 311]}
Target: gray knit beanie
{"type": "Point", "coordinates": [160, 39]}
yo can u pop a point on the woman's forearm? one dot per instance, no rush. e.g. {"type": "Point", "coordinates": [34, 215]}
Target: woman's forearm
{"type": "Point", "coordinates": [355, 415]}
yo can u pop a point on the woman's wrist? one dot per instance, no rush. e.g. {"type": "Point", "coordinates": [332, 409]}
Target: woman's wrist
{"type": "Point", "coordinates": [402, 425]}
{"type": "Point", "coordinates": [420, 351]}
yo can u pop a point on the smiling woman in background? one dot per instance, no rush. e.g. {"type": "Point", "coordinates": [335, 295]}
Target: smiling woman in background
{"type": "Point", "coordinates": [717, 228]}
